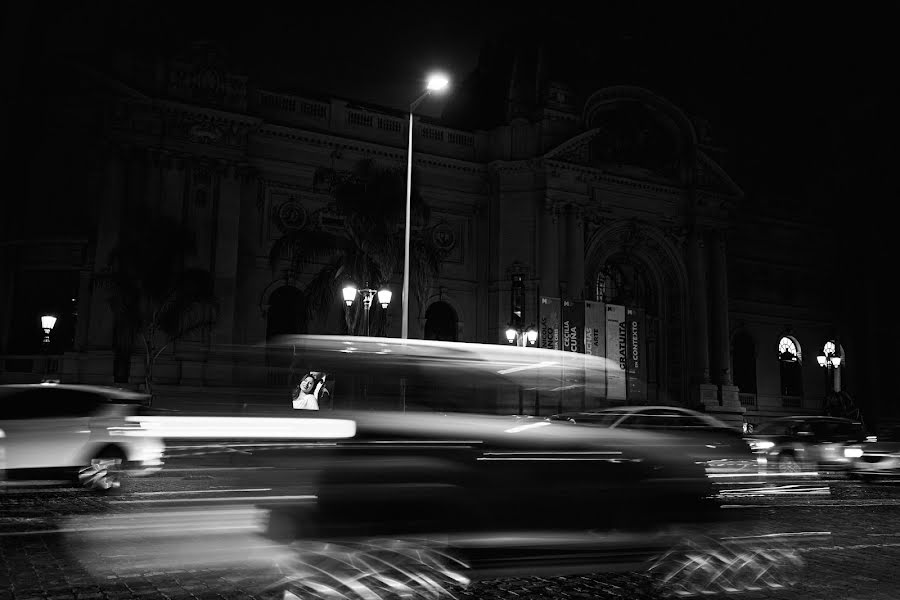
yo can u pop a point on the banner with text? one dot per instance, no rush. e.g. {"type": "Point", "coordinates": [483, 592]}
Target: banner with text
{"type": "Point", "coordinates": [548, 314]}
{"type": "Point", "coordinates": [635, 366]}
{"type": "Point", "coordinates": [573, 326]}
{"type": "Point", "coordinates": [616, 349]}
{"type": "Point", "coordinates": [595, 345]}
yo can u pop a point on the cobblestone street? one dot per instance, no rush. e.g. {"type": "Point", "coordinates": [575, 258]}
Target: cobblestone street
{"type": "Point", "coordinates": [848, 540]}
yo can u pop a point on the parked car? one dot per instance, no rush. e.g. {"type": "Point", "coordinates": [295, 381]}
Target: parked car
{"type": "Point", "coordinates": [806, 443]}
{"type": "Point", "coordinates": [78, 432]}
{"type": "Point", "coordinates": [696, 434]}
{"type": "Point", "coordinates": [878, 458]}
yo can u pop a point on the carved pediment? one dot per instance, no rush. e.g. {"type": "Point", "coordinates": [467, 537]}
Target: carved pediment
{"type": "Point", "coordinates": [628, 139]}
{"type": "Point", "coordinates": [711, 177]}
{"type": "Point", "coordinates": [203, 78]}
{"type": "Point", "coordinates": [593, 149]}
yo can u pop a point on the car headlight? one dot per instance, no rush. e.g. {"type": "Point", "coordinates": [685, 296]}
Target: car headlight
{"type": "Point", "coordinates": [761, 445]}
{"type": "Point", "coordinates": [853, 452]}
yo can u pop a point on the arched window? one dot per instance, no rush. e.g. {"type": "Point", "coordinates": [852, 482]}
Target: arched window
{"type": "Point", "coordinates": [743, 356]}
{"type": "Point", "coordinates": [621, 281]}
{"type": "Point", "coordinates": [790, 360]}
{"type": "Point", "coordinates": [440, 322]}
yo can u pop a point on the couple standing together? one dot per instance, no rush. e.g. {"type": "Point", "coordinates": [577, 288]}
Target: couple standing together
{"type": "Point", "coordinates": [307, 392]}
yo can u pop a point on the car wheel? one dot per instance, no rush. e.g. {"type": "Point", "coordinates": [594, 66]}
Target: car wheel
{"type": "Point", "coordinates": [416, 569]}
{"type": "Point", "coordinates": [104, 473]}
{"type": "Point", "coordinates": [788, 463]}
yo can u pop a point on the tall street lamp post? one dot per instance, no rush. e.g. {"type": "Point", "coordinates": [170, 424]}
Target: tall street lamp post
{"type": "Point", "coordinates": [436, 83]}
{"type": "Point", "coordinates": [368, 294]}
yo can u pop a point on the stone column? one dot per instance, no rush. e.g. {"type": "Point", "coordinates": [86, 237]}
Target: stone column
{"type": "Point", "coordinates": [153, 185]}
{"type": "Point", "coordinates": [100, 325]}
{"type": "Point", "coordinates": [721, 339]}
{"type": "Point", "coordinates": [172, 186]}
{"type": "Point", "coordinates": [701, 390]}
{"type": "Point", "coordinates": [575, 253]}
{"type": "Point", "coordinates": [85, 299]}
{"type": "Point", "coordinates": [548, 246]}
{"type": "Point", "coordinates": [227, 223]}
{"type": "Point", "coordinates": [7, 286]}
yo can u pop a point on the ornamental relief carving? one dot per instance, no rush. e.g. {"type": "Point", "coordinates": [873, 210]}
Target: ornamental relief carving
{"type": "Point", "coordinates": [287, 213]}
{"type": "Point", "coordinates": [205, 129]}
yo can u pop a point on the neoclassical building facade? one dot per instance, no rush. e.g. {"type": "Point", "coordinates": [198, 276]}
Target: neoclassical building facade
{"type": "Point", "coordinates": [612, 196]}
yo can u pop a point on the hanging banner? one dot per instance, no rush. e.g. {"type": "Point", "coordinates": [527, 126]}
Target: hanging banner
{"type": "Point", "coordinates": [573, 326]}
{"type": "Point", "coordinates": [635, 367]}
{"type": "Point", "coordinates": [595, 345]}
{"type": "Point", "coordinates": [549, 317]}
{"type": "Point", "coordinates": [616, 349]}
{"type": "Point", "coordinates": [594, 329]}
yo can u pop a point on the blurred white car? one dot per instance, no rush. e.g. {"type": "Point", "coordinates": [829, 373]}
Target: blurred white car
{"type": "Point", "coordinates": [75, 431]}
{"type": "Point", "coordinates": [876, 458]}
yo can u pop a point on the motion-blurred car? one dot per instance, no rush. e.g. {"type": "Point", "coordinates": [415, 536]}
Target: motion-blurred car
{"type": "Point", "coordinates": [78, 432]}
{"type": "Point", "coordinates": [694, 433]}
{"type": "Point", "coordinates": [445, 461]}
{"type": "Point", "coordinates": [876, 459]}
{"type": "Point", "coordinates": [806, 443]}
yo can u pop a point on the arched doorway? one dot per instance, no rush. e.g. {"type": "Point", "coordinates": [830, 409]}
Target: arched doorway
{"type": "Point", "coordinates": [441, 322]}
{"type": "Point", "coordinates": [637, 266]}
{"type": "Point", "coordinates": [286, 313]}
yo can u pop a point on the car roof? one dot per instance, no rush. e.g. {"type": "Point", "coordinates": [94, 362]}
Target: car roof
{"type": "Point", "coordinates": [815, 418]}
{"type": "Point", "coordinates": [635, 408]}
{"type": "Point", "coordinates": [112, 393]}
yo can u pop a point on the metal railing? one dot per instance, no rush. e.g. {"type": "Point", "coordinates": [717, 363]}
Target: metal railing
{"type": "Point", "coordinates": [747, 399]}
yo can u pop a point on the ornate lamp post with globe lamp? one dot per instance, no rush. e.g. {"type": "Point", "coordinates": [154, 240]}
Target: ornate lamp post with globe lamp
{"type": "Point", "coordinates": [368, 294]}
{"type": "Point", "coordinates": [48, 322]}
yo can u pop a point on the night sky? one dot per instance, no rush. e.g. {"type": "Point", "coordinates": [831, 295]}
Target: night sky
{"type": "Point", "coordinates": [800, 96]}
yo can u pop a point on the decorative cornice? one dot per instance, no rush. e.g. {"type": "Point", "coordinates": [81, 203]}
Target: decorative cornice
{"type": "Point", "coordinates": [371, 149]}
{"type": "Point", "coordinates": [515, 166]}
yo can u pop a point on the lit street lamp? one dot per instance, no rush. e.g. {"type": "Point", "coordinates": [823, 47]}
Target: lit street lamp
{"type": "Point", "coordinates": [828, 360]}
{"type": "Point", "coordinates": [521, 337]}
{"type": "Point", "coordinates": [48, 322]}
{"type": "Point", "coordinates": [436, 83]}
{"type": "Point", "coordinates": [368, 294]}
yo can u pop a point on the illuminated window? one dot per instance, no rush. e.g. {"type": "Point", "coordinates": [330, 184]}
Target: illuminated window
{"type": "Point", "coordinates": [790, 359]}
{"type": "Point", "coordinates": [787, 350]}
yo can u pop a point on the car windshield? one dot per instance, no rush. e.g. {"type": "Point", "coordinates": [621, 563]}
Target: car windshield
{"type": "Point", "coordinates": [603, 419]}
{"type": "Point", "coordinates": [775, 428]}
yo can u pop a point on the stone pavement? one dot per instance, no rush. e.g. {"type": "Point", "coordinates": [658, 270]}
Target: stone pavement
{"type": "Point", "coordinates": [850, 548]}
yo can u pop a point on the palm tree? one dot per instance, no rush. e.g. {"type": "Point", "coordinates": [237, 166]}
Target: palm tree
{"type": "Point", "coordinates": [153, 293]}
{"type": "Point", "coordinates": [368, 248]}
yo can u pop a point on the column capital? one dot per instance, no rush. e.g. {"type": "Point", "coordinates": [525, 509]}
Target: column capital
{"type": "Point", "coordinates": [553, 208]}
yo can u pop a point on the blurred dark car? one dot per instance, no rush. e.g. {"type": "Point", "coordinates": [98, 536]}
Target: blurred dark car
{"type": "Point", "coordinates": [693, 433]}
{"type": "Point", "coordinates": [876, 459]}
{"type": "Point", "coordinates": [77, 432]}
{"type": "Point", "coordinates": [449, 462]}
{"type": "Point", "coordinates": [806, 443]}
